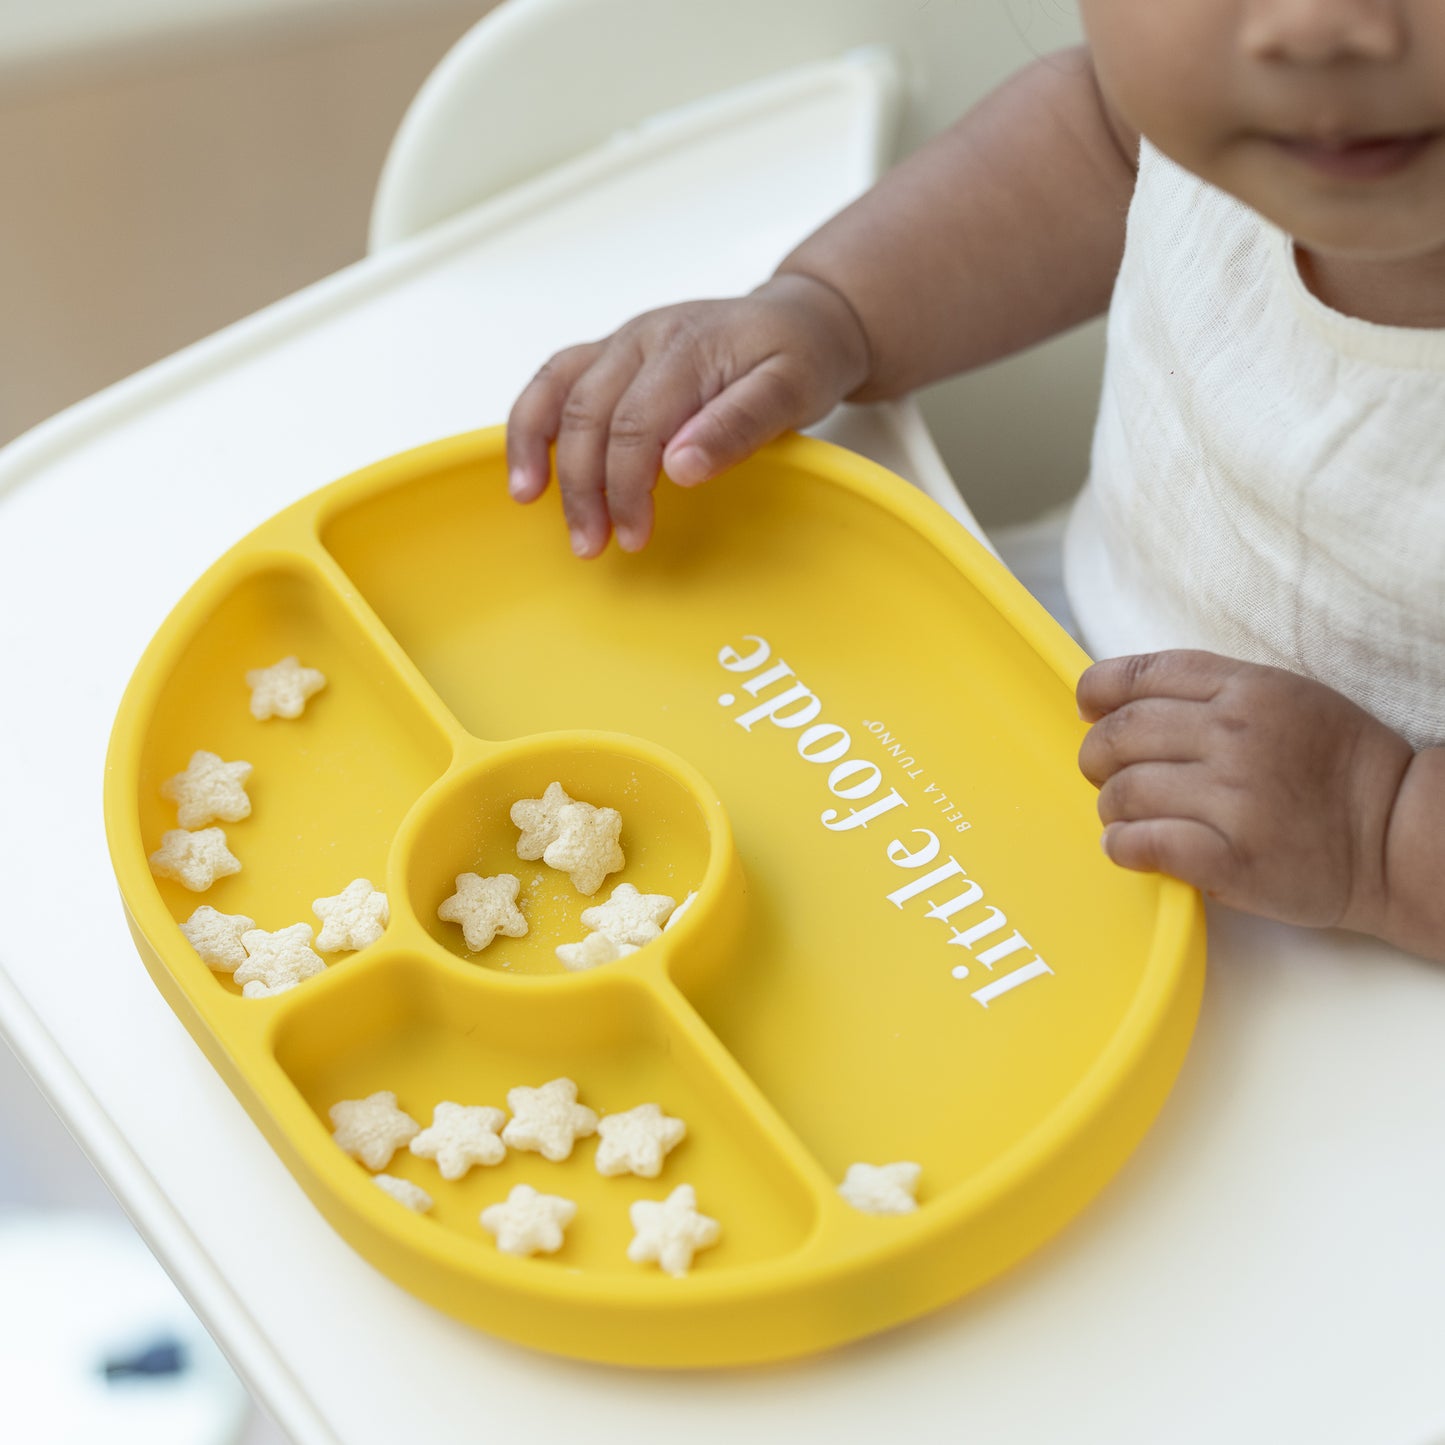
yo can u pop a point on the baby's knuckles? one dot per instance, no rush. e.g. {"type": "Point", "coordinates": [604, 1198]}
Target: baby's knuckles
{"type": "Point", "coordinates": [1282, 752]}
{"type": "Point", "coordinates": [1297, 781]}
{"type": "Point", "coordinates": [633, 428]}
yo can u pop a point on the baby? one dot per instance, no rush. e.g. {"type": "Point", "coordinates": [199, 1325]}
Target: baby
{"type": "Point", "coordinates": [1255, 190]}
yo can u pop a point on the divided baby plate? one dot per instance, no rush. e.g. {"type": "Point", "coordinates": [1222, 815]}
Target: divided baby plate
{"type": "Point", "coordinates": [817, 703]}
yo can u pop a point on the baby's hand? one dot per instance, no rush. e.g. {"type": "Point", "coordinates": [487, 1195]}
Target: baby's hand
{"type": "Point", "coordinates": [1265, 790]}
{"type": "Point", "coordinates": [695, 388]}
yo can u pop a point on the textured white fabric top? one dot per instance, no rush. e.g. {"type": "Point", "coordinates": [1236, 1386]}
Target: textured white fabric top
{"type": "Point", "coordinates": [1268, 475]}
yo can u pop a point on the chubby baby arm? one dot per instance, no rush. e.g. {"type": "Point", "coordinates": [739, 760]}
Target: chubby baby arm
{"type": "Point", "coordinates": [1268, 791]}
{"type": "Point", "coordinates": [1002, 230]}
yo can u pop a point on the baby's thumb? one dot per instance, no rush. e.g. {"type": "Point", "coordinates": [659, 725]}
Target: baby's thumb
{"type": "Point", "coordinates": [734, 424]}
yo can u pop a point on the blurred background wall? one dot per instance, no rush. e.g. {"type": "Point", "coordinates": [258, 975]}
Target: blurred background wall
{"type": "Point", "coordinates": [169, 166]}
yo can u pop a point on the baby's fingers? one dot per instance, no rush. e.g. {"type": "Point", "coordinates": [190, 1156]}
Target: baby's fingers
{"type": "Point", "coordinates": [662, 396]}
{"type": "Point", "coordinates": [1193, 676]}
{"type": "Point", "coordinates": [1185, 848]}
{"type": "Point", "coordinates": [1164, 818]}
{"type": "Point", "coordinates": [1154, 729]}
{"type": "Point", "coordinates": [762, 404]}
{"type": "Point", "coordinates": [583, 441]}
{"type": "Point", "coordinates": [536, 417]}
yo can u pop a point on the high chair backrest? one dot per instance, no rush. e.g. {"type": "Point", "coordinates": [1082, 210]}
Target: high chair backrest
{"type": "Point", "coordinates": [538, 81]}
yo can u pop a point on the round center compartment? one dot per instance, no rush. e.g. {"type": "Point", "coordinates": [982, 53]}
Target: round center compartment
{"type": "Point", "coordinates": [674, 841]}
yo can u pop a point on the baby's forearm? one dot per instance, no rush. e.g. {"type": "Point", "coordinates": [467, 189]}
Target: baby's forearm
{"type": "Point", "coordinates": [1413, 908]}
{"type": "Point", "coordinates": [1005, 229]}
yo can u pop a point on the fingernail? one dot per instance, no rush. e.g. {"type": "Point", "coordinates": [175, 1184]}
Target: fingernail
{"type": "Point", "coordinates": [687, 466]}
{"type": "Point", "coordinates": [579, 541]}
{"type": "Point", "coordinates": [517, 482]}
{"type": "Point", "coordinates": [627, 539]}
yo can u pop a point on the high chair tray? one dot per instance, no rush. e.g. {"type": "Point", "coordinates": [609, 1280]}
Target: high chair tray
{"type": "Point", "coordinates": [815, 702]}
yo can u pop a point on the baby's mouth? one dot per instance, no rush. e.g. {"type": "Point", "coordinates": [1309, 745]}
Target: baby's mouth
{"type": "Point", "coordinates": [1366, 158]}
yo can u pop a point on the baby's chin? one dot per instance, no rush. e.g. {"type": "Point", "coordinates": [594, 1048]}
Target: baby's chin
{"type": "Point", "coordinates": [1398, 218]}
{"type": "Point", "coordinates": [1408, 244]}
{"type": "Point", "coordinates": [1395, 216]}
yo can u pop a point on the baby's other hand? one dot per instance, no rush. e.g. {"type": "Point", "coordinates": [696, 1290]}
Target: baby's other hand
{"type": "Point", "coordinates": [1261, 788]}
{"type": "Point", "coordinates": [694, 387]}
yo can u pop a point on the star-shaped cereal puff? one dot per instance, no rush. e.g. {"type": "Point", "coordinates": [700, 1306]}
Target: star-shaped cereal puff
{"type": "Point", "coordinates": [671, 1231]}
{"type": "Point", "coordinates": [529, 1222]}
{"type": "Point", "coordinates": [217, 937]}
{"type": "Point", "coordinates": [282, 689]}
{"type": "Point", "coordinates": [404, 1192]}
{"type": "Point", "coordinates": [595, 949]}
{"type": "Point", "coordinates": [881, 1188]}
{"type": "Point", "coordinates": [537, 818]}
{"type": "Point", "coordinates": [485, 907]}
{"type": "Point", "coordinates": [637, 1141]}
{"type": "Point", "coordinates": [353, 918]}
{"type": "Point", "coordinates": [549, 1120]}
{"type": "Point", "coordinates": [586, 845]}
{"type": "Point", "coordinates": [372, 1129]}
{"type": "Point", "coordinates": [254, 988]}
{"type": "Point", "coordinates": [461, 1135]}
{"type": "Point", "coordinates": [629, 916]}
{"type": "Point", "coordinates": [194, 860]}
{"type": "Point", "coordinates": [278, 961]}
{"type": "Point", "coordinates": [209, 788]}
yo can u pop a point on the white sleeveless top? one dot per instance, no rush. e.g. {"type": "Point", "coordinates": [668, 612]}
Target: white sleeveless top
{"type": "Point", "coordinates": [1268, 475]}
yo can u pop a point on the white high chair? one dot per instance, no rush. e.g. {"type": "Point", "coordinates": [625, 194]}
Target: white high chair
{"type": "Point", "coordinates": [1268, 1267]}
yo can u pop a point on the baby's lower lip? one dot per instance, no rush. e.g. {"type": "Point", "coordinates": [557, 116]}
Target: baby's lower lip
{"type": "Point", "coordinates": [1358, 160]}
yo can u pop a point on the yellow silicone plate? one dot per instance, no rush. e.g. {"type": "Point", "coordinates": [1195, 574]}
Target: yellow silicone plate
{"type": "Point", "coordinates": [813, 699]}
